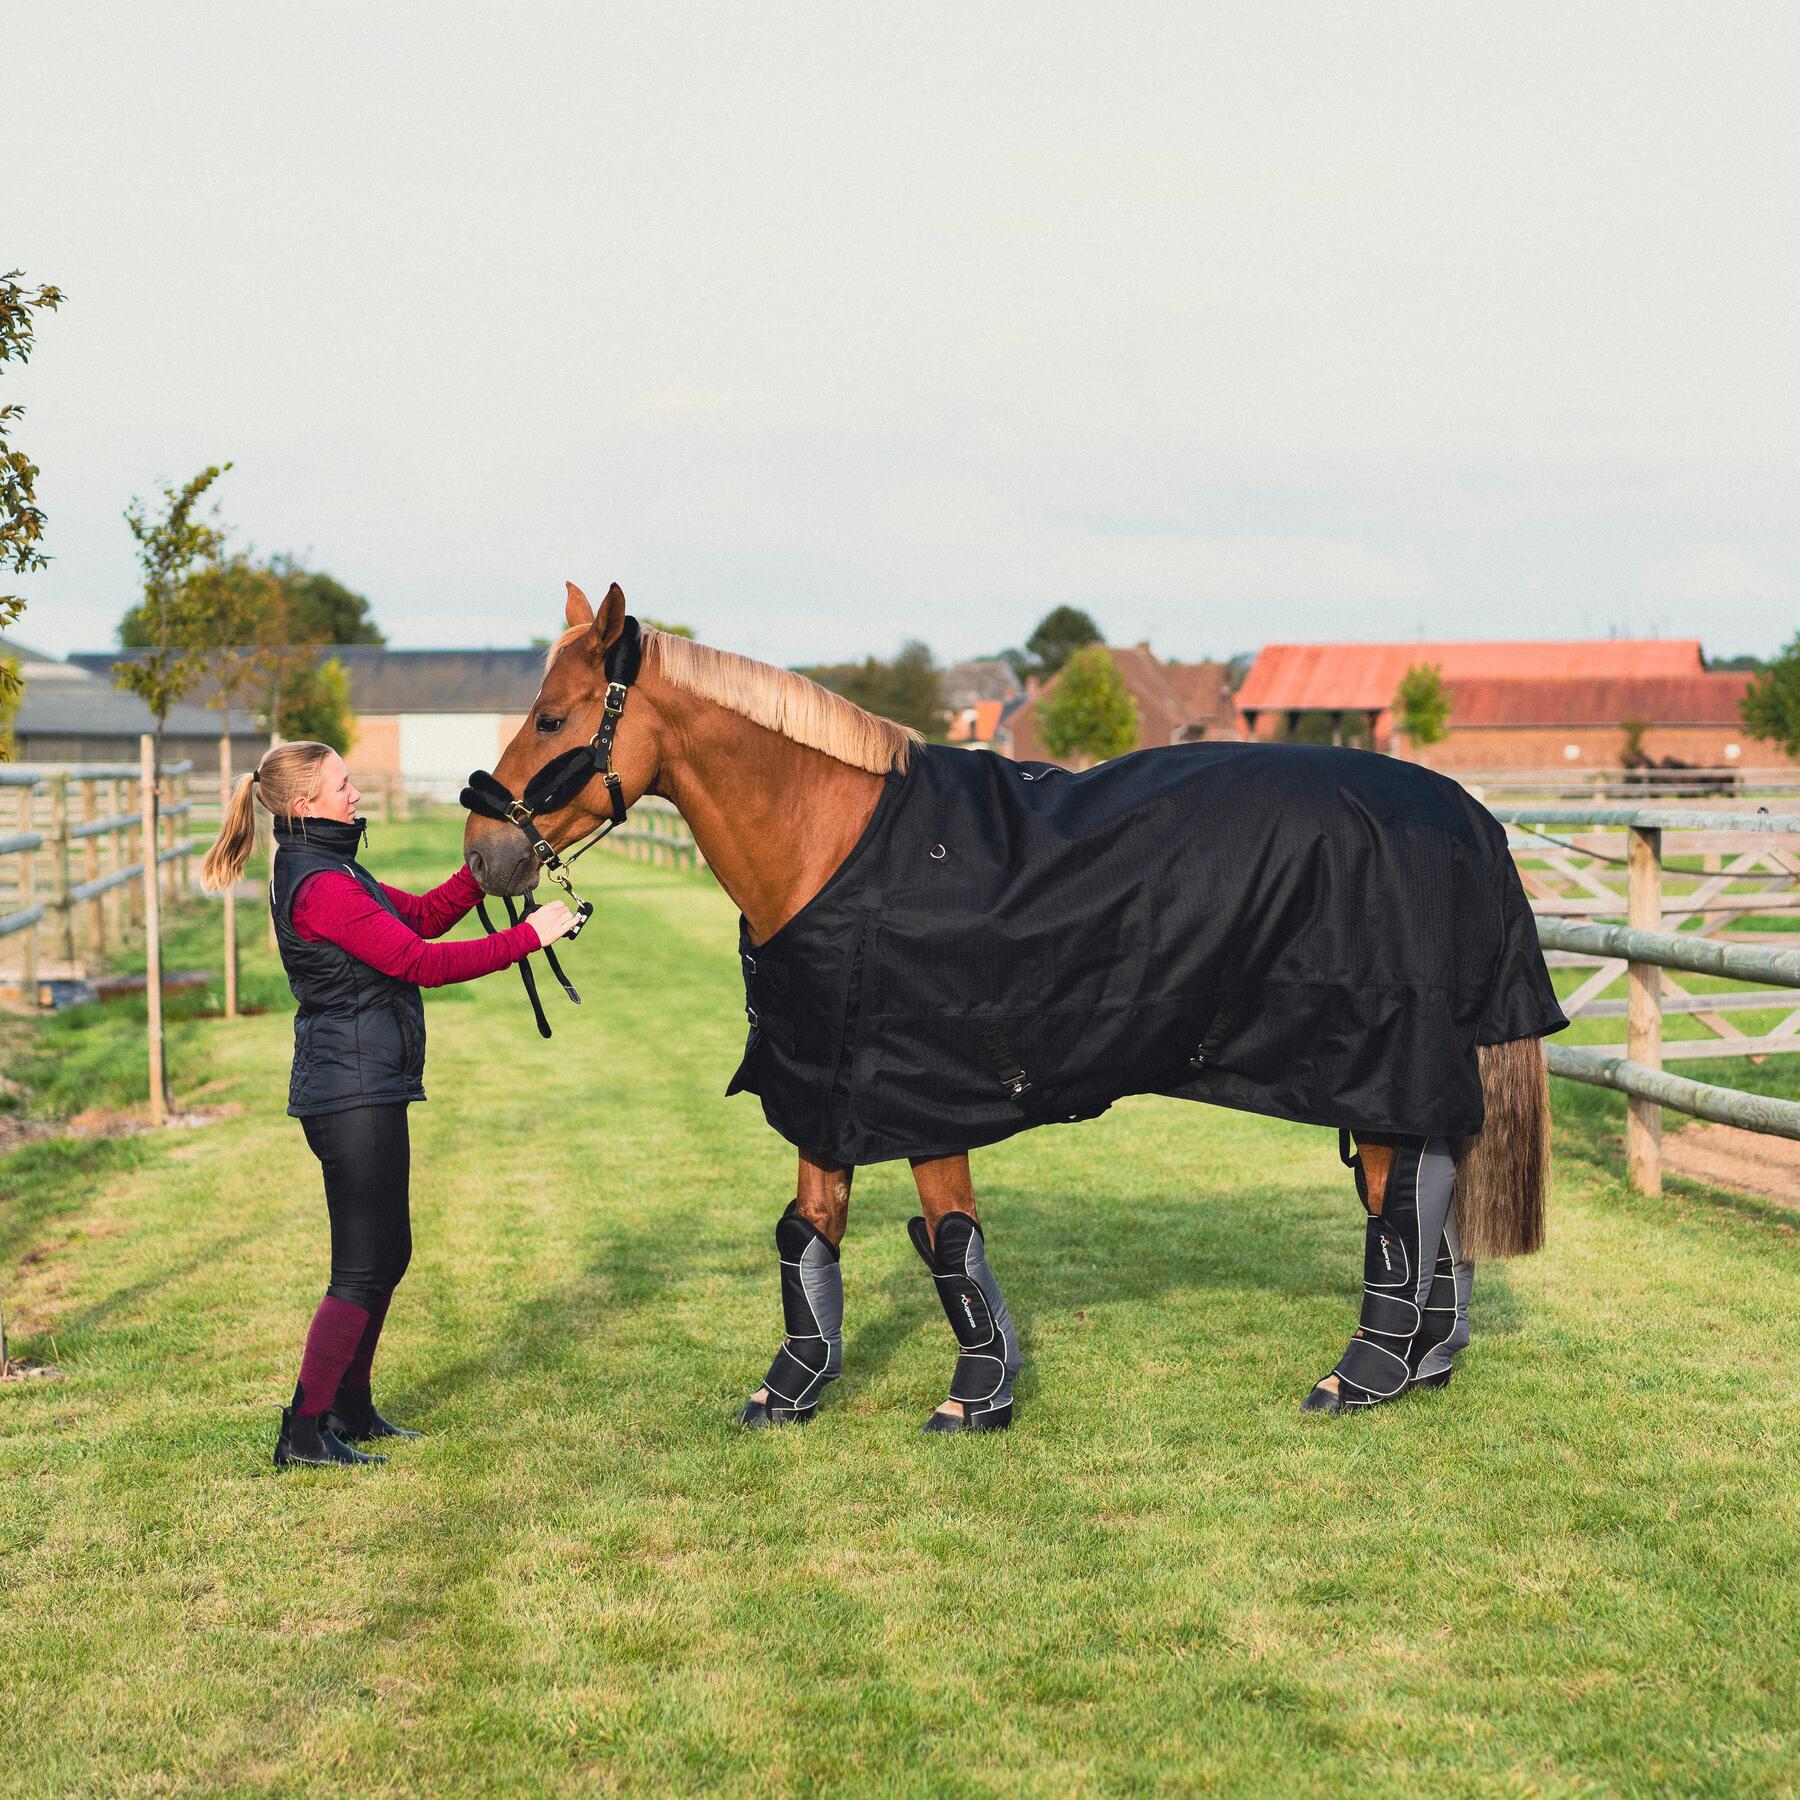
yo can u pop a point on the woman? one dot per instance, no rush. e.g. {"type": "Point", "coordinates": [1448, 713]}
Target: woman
{"type": "Point", "coordinates": [356, 956]}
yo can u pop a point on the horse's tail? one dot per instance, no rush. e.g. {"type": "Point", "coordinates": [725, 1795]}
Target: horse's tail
{"type": "Point", "coordinates": [1503, 1171]}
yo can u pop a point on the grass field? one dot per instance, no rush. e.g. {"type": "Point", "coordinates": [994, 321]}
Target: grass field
{"type": "Point", "coordinates": [1572, 1573]}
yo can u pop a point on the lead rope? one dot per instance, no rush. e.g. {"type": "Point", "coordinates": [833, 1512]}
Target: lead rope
{"type": "Point", "coordinates": [513, 917]}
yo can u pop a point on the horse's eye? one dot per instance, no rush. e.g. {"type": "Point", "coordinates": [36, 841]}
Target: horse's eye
{"type": "Point", "coordinates": [546, 724]}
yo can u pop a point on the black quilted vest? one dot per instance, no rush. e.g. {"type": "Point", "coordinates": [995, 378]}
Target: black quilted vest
{"type": "Point", "coordinates": [359, 1036]}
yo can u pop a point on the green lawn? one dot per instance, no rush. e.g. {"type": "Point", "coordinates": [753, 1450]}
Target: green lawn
{"type": "Point", "coordinates": [1572, 1573]}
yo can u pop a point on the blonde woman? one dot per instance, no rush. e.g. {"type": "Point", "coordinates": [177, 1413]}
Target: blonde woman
{"type": "Point", "coordinates": [356, 953]}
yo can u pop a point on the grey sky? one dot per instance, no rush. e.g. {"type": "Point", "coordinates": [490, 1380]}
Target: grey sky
{"type": "Point", "coordinates": [820, 326]}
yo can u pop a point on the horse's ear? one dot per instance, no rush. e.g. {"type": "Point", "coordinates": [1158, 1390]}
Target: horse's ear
{"type": "Point", "coordinates": [611, 621]}
{"type": "Point", "coordinates": [577, 611]}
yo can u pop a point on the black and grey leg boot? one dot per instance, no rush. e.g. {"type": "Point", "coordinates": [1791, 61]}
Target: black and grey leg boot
{"type": "Point", "coordinates": [812, 1311]}
{"type": "Point", "coordinates": [987, 1345]}
{"type": "Point", "coordinates": [1400, 1262]}
{"type": "Point", "coordinates": [354, 1419]}
{"type": "Point", "coordinates": [1446, 1327]}
{"type": "Point", "coordinates": [306, 1440]}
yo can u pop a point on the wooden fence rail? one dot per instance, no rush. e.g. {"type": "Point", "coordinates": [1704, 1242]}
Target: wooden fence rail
{"type": "Point", "coordinates": [1674, 921]}
{"type": "Point", "coordinates": [72, 867]}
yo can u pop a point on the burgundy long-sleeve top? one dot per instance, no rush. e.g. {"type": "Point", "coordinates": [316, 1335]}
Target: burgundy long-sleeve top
{"type": "Point", "coordinates": [340, 910]}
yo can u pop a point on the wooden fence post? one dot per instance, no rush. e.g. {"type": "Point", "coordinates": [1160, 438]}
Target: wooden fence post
{"type": "Point", "coordinates": [152, 924]}
{"type": "Point", "coordinates": [59, 828]}
{"type": "Point", "coordinates": [90, 871]}
{"type": "Point", "coordinates": [135, 911]}
{"type": "Point", "coordinates": [1643, 1036]}
{"type": "Point", "coordinates": [230, 894]}
{"type": "Point", "coordinates": [27, 899]}
{"type": "Point", "coordinates": [183, 828]}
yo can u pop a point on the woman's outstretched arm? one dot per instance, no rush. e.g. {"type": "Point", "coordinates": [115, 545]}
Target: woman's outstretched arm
{"type": "Point", "coordinates": [340, 910]}
{"type": "Point", "coordinates": [432, 914]}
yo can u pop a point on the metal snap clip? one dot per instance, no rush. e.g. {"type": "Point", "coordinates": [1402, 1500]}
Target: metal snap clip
{"type": "Point", "coordinates": [938, 852]}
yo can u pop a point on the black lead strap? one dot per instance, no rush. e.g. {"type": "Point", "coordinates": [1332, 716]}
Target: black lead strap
{"type": "Point", "coordinates": [552, 788]}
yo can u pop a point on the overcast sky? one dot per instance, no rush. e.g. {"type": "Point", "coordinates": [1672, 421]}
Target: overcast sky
{"type": "Point", "coordinates": [823, 326]}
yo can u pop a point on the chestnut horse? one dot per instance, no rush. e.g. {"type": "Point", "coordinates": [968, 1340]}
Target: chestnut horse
{"type": "Point", "coordinates": [778, 779]}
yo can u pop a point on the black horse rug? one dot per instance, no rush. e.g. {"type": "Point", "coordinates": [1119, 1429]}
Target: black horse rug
{"type": "Point", "coordinates": [1320, 935]}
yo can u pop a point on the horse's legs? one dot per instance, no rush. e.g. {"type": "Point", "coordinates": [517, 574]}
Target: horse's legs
{"type": "Point", "coordinates": [949, 1239]}
{"type": "Point", "coordinates": [807, 1237]}
{"type": "Point", "coordinates": [1415, 1291]}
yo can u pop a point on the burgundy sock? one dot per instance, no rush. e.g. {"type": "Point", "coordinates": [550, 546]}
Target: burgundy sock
{"type": "Point", "coordinates": [363, 1362]}
{"type": "Point", "coordinates": [331, 1342]}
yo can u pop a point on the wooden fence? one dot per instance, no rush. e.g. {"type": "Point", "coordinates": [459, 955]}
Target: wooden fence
{"type": "Point", "coordinates": [72, 859]}
{"type": "Point", "coordinates": [657, 834]}
{"type": "Point", "coordinates": [1685, 885]}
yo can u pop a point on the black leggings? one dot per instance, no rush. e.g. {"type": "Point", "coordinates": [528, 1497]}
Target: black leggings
{"type": "Point", "coordinates": [367, 1161]}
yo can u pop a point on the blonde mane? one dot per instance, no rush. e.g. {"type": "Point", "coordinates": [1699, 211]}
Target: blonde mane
{"type": "Point", "coordinates": [777, 699]}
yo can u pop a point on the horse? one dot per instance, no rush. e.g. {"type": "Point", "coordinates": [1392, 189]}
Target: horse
{"type": "Point", "coordinates": [1315, 934]}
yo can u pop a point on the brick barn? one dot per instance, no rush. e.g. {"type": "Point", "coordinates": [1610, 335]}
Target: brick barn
{"type": "Point", "coordinates": [1528, 705]}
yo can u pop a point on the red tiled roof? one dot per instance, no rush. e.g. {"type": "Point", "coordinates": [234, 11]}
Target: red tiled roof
{"type": "Point", "coordinates": [1362, 677]}
{"type": "Point", "coordinates": [1707, 699]}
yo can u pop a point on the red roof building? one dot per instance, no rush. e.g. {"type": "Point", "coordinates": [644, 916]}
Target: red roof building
{"type": "Point", "coordinates": [1519, 705]}
{"type": "Point", "coordinates": [1287, 680]}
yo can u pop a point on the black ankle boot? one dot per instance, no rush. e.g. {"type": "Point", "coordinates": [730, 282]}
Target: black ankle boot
{"type": "Point", "coordinates": [354, 1419]}
{"type": "Point", "coordinates": [306, 1439]}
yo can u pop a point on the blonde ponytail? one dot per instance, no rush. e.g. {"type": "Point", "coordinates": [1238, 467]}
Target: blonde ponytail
{"type": "Point", "coordinates": [237, 837]}
{"type": "Point", "coordinates": [286, 776]}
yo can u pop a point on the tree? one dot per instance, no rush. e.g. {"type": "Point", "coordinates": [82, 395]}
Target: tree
{"type": "Point", "coordinates": [232, 615]}
{"type": "Point", "coordinates": [1631, 754]}
{"type": "Point", "coordinates": [1422, 705]}
{"type": "Point", "coordinates": [315, 706]}
{"type": "Point", "coordinates": [1057, 636]}
{"type": "Point", "coordinates": [1088, 713]}
{"type": "Point", "coordinates": [321, 610]}
{"type": "Point", "coordinates": [906, 690]}
{"type": "Point", "coordinates": [1771, 709]}
{"type": "Point", "coordinates": [169, 548]}
{"type": "Point", "coordinates": [11, 687]}
{"type": "Point", "coordinates": [686, 631]}
{"type": "Point", "coordinates": [21, 518]}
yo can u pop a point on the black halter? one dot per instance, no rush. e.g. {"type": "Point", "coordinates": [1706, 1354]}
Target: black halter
{"type": "Point", "coordinates": [553, 787]}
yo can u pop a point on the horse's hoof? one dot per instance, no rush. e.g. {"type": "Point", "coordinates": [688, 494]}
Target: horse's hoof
{"type": "Point", "coordinates": [1323, 1400]}
{"type": "Point", "coordinates": [998, 1419]}
{"type": "Point", "coordinates": [758, 1414]}
{"type": "Point", "coordinates": [1440, 1380]}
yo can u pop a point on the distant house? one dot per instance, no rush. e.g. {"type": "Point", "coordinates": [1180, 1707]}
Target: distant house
{"type": "Point", "coordinates": [426, 716]}
{"type": "Point", "coordinates": [1516, 705]}
{"type": "Point", "coordinates": [68, 713]}
{"type": "Point", "coordinates": [1178, 703]}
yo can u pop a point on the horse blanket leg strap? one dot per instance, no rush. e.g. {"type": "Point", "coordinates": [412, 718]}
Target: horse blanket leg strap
{"type": "Point", "coordinates": [1446, 1327]}
{"type": "Point", "coordinates": [1400, 1261]}
{"type": "Point", "coordinates": [812, 1311]}
{"type": "Point", "coordinates": [987, 1345]}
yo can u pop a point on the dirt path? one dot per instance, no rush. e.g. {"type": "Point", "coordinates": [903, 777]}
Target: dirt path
{"type": "Point", "coordinates": [1745, 1161]}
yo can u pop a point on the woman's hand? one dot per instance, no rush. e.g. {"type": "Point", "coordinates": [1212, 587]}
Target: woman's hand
{"type": "Point", "coordinates": [551, 922]}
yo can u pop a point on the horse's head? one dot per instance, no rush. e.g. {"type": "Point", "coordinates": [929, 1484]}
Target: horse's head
{"type": "Point", "coordinates": [565, 716]}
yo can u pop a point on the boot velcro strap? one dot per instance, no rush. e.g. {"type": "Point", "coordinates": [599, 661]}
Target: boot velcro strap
{"type": "Point", "coordinates": [799, 1372]}
{"type": "Point", "coordinates": [977, 1377]}
{"type": "Point", "coordinates": [1388, 1316]}
{"type": "Point", "coordinates": [1373, 1367]}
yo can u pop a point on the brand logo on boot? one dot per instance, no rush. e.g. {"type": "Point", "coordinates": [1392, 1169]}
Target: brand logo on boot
{"type": "Point", "coordinates": [968, 1307]}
